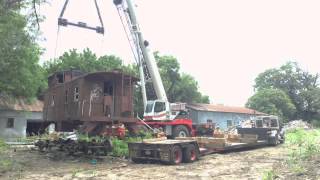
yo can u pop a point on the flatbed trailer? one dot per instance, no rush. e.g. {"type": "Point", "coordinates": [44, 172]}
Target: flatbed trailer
{"type": "Point", "coordinates": [189, 149]}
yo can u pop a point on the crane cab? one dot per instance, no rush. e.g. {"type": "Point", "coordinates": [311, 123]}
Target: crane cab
{"type": "Point", "coordinates": [157, 110]}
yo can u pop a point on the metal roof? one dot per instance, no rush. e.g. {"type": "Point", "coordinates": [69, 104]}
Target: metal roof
{"type": "Point", "coordinates": [20, 104]}
{"type": "Point", "coordinates": [222, 108]}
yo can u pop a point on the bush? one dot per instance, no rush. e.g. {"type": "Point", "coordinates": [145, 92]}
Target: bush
{"type": "Point", "coordinates": [120, 146]}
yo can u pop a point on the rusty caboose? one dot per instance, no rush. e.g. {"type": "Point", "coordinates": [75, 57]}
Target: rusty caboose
{"type": "Point", "coordinates": [93, 101]}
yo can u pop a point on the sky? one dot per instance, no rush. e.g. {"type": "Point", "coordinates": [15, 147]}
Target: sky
{"type": "Point", "coordinates": [224, 45]}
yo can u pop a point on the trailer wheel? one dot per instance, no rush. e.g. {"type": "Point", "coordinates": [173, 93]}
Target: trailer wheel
{"type": "Point", "coordinates": [180, 131]}
{"type": "Point", "coordinates": [190, 154]}
{"type": "Point", "coordinates": [176, 155]}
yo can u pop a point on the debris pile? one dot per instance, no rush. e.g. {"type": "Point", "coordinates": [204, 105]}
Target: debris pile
{"type": "Point", "coordinates": [297, 124]}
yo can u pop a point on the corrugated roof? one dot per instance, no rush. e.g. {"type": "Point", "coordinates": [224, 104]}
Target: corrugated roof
{"type": "Point", "coordinates": [222, 108]}
{"type": "Point", "coordinates": [20, 104]}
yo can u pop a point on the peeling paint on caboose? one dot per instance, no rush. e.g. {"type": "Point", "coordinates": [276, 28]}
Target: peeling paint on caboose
{"type": "Point", "coordinates": [74, 98]}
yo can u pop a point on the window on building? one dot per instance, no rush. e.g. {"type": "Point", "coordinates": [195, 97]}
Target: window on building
{"type": "Point", "coordinates": [10, 123]}
{"type": "Point", "coordinates": [229, 123]}
{"type": "Point", "coordinates": [76, 94]}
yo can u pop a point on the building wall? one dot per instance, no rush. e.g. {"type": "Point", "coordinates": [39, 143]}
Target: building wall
{"type": "Point", "coordinates": [20, 123]}
{"type": "Point", "coordinates": [219, 118]}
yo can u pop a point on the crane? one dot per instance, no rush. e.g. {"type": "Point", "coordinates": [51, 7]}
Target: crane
{"type": "Point", "coordinates": [158, 112]}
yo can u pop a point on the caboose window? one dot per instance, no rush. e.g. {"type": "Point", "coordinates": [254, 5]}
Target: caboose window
{"type": "Point", "coordinates": [76, 94]}
{"type": "Point", "coordinates": [60, 78]}
{"type": "Point", "coordinates": [108, 88]}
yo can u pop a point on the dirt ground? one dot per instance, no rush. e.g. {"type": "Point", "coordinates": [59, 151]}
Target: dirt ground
{"type": "Point", "coordinates": [248, 164]}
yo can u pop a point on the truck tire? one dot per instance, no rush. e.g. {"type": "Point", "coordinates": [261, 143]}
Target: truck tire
{"type": "Point", "coordinates": [176, 155]}
{"type": "Point", "coordinates": [180, 131]}
{"type": "Point", "coordinates": [273, 141]}
{"type": "Point", "coordinates": [190, 154]}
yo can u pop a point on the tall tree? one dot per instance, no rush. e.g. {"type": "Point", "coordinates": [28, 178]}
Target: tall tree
{"type": "Point", "coordinates": [20, 74]}
{"type": "Point", "coordinates": [179, 87]}
{"type": "Point", "coordinates": [301, 87]}
{"type": "Point", "coordinates": [272, 101]}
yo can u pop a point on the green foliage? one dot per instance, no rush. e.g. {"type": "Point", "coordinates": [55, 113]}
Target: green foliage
{"type": "Point", "coordinates": [180, 87]}
{"type": "Point", "coordinates": [3, 145]}
{"type": "Point", "coordinates": [85, 61]}
{"type": "Point", "coordinates": [269, 175]}
{"type": "Point", "coordinates": [302, 146]}
{"type": "Point", "coordinates": [6, 163]}
{"type": "Point", "coordinates": [120, 147]}
{"type": "Point", "coordinates": [20, 73]}
{"type": "Point", "coordinates": [272, 101]}
{"type": "Point", "coordinates": [300, 86]}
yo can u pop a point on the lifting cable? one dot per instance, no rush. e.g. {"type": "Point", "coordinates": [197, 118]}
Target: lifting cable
{"type": "Point", "coordinates": [64, 22]}
{"type": "Point", "coordinates": [119, 9]}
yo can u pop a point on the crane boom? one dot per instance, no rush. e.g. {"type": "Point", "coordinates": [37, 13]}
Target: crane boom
{"type": "Point", "coordinates": [147, 54]}
{"type": "Point", "coordinates": [158, 109]}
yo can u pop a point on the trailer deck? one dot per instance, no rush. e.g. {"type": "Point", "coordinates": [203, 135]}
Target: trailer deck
{"type": "Point", "coordinates": [187, 149]}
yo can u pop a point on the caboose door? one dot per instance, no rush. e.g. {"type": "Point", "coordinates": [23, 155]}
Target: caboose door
{"type": "Point", "coordinates": [108, 92]}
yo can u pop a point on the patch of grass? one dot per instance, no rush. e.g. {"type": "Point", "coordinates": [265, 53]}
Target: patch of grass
{"type": "Point", "coordinates": [3, 145]}
{"type": "Point", "coordinates": [5, 165]}
{"type": "Point", "coordinates": [302, 146]}
{"type": "Point", "coordinates": [269, 175]}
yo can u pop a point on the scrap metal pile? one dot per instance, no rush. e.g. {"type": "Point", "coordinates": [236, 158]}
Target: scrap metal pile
{"type": "Point", "coordinates": [74, 145]}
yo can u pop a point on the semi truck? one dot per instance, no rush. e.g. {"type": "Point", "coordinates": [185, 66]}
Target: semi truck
{"type": "Point", "coordinates": [261, 131]}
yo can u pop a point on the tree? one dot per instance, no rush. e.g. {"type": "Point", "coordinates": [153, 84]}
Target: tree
{"type": "Point", "coordinates": [301, 87]}
{"type": "Point", "coordinates": [20, 73]}
{"type": "Point", "coordinates": [272, 101]}
{"type": "Point", "coordinates": [179, 87]}
{"type": "Point", "coordinates": [85, 61]}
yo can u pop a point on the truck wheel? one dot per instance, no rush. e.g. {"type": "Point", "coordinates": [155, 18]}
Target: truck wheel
{"type": "Point", "coordinates": [190, 154]}
{"type": "Point", "coordinates": [180, 131]}
{"type": "Point", "coordinates": [273, 141]}
{"type": "Point", "coordinates": [176, 155]}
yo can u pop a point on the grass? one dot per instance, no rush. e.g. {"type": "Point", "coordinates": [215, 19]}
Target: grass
{"type": "Point", "coordinates": [269, 175]}
{"type": "Point", "coordinates": [302, 145]}
{"type": "Point", "coordinates": [6, 163]}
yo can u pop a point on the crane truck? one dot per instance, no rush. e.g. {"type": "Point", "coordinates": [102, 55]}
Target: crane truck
{"type": "Point", "coordinates": [158, 113]}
